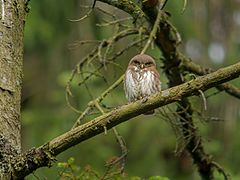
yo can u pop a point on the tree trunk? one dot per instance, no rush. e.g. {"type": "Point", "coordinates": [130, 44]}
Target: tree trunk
{"type": "Point", "coordinates": [13, 13]}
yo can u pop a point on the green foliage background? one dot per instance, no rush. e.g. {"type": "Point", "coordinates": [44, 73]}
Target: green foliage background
{"type": "Point", "coordinates": [49, 60]}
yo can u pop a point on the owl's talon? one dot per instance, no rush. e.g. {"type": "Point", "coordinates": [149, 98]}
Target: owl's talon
{"type": "Point", "coordinates": [144, 99]}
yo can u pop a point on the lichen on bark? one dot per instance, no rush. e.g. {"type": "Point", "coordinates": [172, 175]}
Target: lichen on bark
{"type": "Point", "coordinates": [11, 64]}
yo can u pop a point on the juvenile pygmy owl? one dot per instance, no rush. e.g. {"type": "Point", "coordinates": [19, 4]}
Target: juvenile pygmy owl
{"type": "Point", "coordinates": [141, 78]}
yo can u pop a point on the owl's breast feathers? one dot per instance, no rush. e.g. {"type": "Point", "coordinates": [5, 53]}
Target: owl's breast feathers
{"type": "Point", "coordinates": [140, 83]}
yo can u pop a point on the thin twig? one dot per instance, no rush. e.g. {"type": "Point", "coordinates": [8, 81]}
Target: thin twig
{"type": "Point", "coordinates": [204, 100]}
{"type": "Point", "coordinates": [184, 6]}
{"type": "Point", "coordinates": [152, 35]}
{"type": "Point", "coordinates": [67, 94]}
{"type": "Point", "coordinates": [221, 170]}
{"type": "Point", "coordinates": [123, 147]}
{"type": "Point", "coordinates": [94, 73]}
{"type": "Point", "coordinates": [83, 114]}
{"type": "Point", "coordinates": [76, 44]}
{"type": "Point", "coordinates": [119, 138]}
{"type": "Point", "coordinates": [114, 22]}
{"type": "Point", "coordinates": [135, 43]}
{"type": "Point", "coordinates": [98, 100]}
{"type": "Point", "coordinates": [111, 59]}
{"type": "Point", "coordinates": [82, 18]}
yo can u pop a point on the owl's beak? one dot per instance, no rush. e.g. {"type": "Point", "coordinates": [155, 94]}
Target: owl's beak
{"type": "Point", "coordinates": [142, 66]}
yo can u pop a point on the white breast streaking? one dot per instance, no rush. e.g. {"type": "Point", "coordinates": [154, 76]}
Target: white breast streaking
{"type": "Point", "coordinates": [139, 86]}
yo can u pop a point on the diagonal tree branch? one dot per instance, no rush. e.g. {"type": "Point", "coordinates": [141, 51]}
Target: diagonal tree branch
{"type": "Point", "coordinates": [25, 164]}
{"type": "Point", "coordinates": [189, 65]}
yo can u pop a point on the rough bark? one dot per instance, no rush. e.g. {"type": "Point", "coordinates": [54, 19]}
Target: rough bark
{"type": "Point", "coordinates": [190, 66]}
{"type": "Point", "coordinates": [26, 163]}
{"type": "Point", "coordinates": [13, 14]}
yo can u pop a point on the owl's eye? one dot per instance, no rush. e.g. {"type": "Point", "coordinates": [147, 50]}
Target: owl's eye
{"type": "Point", "coordinates": [136, 62]}
{"type": "Point", "coordinates": [148, 63]}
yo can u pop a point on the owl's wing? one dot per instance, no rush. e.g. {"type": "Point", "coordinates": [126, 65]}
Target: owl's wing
{"type": "Point", "coordinates": [130, 86]}
{"type": "Point", "coordinates": [156, 79]}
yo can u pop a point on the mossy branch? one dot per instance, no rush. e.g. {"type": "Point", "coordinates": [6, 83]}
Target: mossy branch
{"type": "Point", "coordinates": [25, 164]}
{"type": "Point", "coordinates": [190, 66]}
{"type": "Point", "coordinates": [128, 6]}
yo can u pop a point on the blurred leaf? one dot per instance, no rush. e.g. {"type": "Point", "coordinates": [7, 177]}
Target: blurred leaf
{"type": "Point", "coordinates": [157, 178]}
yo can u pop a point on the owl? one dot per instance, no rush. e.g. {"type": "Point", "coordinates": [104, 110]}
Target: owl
{"type": "Point", "coordinates": [141, 78]}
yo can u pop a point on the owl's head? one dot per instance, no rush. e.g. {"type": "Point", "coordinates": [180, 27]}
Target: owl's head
{"type": "Point", "coordinates": [142, 61]}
